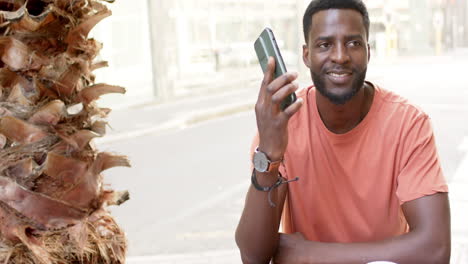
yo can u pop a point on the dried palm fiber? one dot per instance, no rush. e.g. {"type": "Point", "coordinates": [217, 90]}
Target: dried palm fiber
{"type": "Point", "coordinates": [52, 198]}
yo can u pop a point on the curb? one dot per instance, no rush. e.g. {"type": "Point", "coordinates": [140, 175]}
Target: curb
{"type": "Point", "coordinates": [218, 112]}
{"type": "Point", "coordinates": [189, 120]}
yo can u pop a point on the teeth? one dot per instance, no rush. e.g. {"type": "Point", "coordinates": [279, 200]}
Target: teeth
{"type": "Point", "coordinates": [338, 74]}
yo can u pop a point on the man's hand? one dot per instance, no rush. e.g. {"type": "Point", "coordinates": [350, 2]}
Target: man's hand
{"type": "Point", "coordinates": [290, 249]}
{"type": "Point", "coordinates": [271, 121]}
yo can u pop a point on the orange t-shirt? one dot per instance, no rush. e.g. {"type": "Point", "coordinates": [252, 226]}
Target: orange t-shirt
{"type": "Point", "coordinates": [351, 186]}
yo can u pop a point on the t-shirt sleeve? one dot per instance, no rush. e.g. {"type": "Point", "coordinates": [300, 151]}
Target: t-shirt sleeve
{"type": "Point", "coordinates": [420, 172]}
{"type": "Point", "coordinates": [253, 147]}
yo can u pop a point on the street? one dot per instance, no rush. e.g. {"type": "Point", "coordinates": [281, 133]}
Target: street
{"type": "Point", "coordinates": [187, 184]}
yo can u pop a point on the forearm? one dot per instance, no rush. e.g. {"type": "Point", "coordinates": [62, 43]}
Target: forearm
{"type": "Point", "coordinates": [412, 248]}
{"type": "Point", "coordinates": [257, 233]}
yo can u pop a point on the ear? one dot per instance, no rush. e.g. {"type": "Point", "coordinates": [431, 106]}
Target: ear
{"type": "Point", "coordinates": [368, 52]}
{"type": "Point", "coordinates": [305, 55]}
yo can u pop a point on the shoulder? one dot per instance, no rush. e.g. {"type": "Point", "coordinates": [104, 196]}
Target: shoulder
{"type": "Point", "coordinates": [401, 120]}
{"type": "Point", "coordinates": [395, 106]}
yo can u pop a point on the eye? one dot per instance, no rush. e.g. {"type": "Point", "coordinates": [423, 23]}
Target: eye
{"type": "Point", "coordinates": [355, 43]}
{"type": "Point", "coordinates": [323, 45]}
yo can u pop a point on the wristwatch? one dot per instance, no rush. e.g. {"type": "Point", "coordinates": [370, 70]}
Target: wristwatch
{"type": "Point", "coordinates": [262, 163]}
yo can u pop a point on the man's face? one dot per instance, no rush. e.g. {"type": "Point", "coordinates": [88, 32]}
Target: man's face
{"type": "Point", "coordinates": [337, 53]}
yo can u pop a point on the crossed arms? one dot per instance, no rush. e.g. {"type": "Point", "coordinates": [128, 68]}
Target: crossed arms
{"type": "Point", "coordinates": [259, 241]}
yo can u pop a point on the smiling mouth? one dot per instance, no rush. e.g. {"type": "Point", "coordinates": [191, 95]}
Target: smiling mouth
{"type": "Point", "coordinates": [335, 74]}
{"type": "Point", "coordinates": [339, 77]}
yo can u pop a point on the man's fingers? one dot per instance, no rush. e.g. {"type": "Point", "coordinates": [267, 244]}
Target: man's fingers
{"type": "Point", "coordinates": [292, 109]}
{"type": "Point", "coordinates": [281, 81]}
{"type": "Point", "coordinates": [282, 93]}
{"type": "Point", "coordinates": [267, 77]}
{"type": "Point", "coordinates": [269, 74]}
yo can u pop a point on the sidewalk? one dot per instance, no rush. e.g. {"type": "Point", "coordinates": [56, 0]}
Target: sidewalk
{"type": "Point", "coordinates": [210, 257]}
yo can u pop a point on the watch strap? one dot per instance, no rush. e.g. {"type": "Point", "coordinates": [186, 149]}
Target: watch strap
{"type": "Point", "coordinates": [272, 165]}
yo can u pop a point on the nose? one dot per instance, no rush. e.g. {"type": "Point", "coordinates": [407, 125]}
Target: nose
{"type": "Point", "coordinates": [339, 54]}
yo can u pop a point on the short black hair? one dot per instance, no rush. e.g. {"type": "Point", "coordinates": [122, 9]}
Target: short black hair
{"type": "Point", "coordinates": [319, 5]}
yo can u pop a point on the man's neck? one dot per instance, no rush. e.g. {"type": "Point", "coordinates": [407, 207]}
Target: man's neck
{"type": "Point", "coordinates": [340, 119]}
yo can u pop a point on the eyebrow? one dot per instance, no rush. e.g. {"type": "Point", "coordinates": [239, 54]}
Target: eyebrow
{"type": "Point", "coordinates": [354, 37]}
{"type": "Point", "coordinates": [323, 38]}
{"type": "Point", "coordinates": [327, 38]}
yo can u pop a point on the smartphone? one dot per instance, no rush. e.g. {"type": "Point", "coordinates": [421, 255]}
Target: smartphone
{"type": "Point", "coordinates": [266, 46]}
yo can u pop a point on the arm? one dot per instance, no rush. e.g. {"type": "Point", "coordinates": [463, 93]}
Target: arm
{"type": "Point", "coordinates": [427, 242]}
{"type": "Point", "coordinates": [257, 233]}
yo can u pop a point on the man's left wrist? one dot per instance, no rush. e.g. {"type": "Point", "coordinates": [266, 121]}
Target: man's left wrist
{"type": "Point", "coordinates": [262, 162]}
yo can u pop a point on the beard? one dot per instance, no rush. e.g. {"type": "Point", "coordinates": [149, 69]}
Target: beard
{"type": "Point", "coordinates": [339, 99]}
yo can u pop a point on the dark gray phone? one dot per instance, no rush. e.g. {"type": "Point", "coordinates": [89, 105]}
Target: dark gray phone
{"type": "Point", "coordinates": [265, 46]}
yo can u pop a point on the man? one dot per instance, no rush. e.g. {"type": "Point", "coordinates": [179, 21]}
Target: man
{"type": "Point", "coordinates": [370, 184]}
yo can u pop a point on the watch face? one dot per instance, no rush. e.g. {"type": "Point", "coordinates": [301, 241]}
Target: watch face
{"type": "Point", "coordinates": [260, 161]}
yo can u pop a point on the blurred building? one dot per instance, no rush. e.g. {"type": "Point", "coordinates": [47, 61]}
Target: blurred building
{"type": "Point", "coordinates": [126, 46]}
{"type": "Point", "coordinates": [417, 27]}
{"type": "Point", "coordinates": [167, 49]}
{"type": "Point", "coordinates": [208, 43]}
{"type": "Point", "coordinates": [454, 20]}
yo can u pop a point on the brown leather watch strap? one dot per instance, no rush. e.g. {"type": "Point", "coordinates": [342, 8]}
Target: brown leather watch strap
{"type": "Point", "coordinates": [274, 165]}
